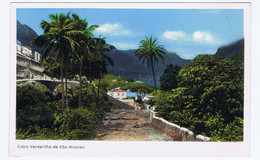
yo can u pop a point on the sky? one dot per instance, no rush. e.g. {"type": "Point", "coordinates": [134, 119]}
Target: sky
{"type": "Point", "coordinates": [187, 32]}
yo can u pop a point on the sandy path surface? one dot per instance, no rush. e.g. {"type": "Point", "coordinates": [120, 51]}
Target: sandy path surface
{"type": "Point", "coordinates": [129, 125]}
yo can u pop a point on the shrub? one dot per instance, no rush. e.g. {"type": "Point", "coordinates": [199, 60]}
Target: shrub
{"type": "Point", "coordinates": [79, 123]}
{"type": "Point", "coordinates": [232, 131]}
{"type": "Point", "coordinates": [33, 106]}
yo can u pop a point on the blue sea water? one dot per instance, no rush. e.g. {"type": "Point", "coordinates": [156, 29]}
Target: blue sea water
{"type": "Point", "coordinates": [131, 94]}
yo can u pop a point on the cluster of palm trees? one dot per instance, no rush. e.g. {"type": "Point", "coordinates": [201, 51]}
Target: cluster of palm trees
{"type": "Point", "coordinates": [69, 44]}
{"type": "Point", "coordinates": [68, 41]}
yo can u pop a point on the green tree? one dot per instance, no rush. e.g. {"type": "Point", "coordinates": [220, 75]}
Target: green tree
{"type": "Point", "coordinates": [149, 50]}
{"type": "Point", "coordinates": [140, 89]}
{"type": "Point", "coordinates": [84, 50]}
{"type": "Point", "coordinates": [217, 86]}
{"type": "Point", "coordinates": [169, 79]}
{"type": "Point", "coordinates": [99, 48]}
{"type": "Point", "coordinates": [209, 100]}
{"type": "Point", "coordinates": [59, 37]}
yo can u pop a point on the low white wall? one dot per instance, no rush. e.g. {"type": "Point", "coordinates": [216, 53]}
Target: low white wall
{"type": "Point", "coordinates": [174, 130]}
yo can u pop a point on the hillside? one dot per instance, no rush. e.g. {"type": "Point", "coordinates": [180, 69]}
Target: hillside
{"type": "Point", "coordinates": [25, 34]}
{"type": "Point", "coordinates": [127, 65]}
{"type": "Point", "coordinates": [231, 49]}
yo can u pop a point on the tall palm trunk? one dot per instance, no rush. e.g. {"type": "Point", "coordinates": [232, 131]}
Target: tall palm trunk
{"type": "Point", "coordinates": [62, 85]}
{"type": "Point", "coordinates": [66, 85]}
{"type": "Point", "coordinates": [80, 84]}
{"type": "Point", "coordinates": [97, 104]}
{"type": "Point", "coordinates": [154, 77]}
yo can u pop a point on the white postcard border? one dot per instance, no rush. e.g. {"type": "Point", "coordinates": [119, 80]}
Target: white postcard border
{"type": "Point", "coordinates": [130, 148]}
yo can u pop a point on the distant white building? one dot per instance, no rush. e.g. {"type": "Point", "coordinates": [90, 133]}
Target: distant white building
{"type": "Point", "coordinates": [117, 93]}
{"type": "Point", "coordinates": [28, 63]}
{"type": "Point", "coordinates": [28, 51]}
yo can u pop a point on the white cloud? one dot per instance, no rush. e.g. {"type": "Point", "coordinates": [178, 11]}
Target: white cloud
{"type": "Point", "coordinates": [174, 35]}
{"type": "Point", "coordinates": [203, 37]}
{"type": "Point", "coordinates": [197, 37]}
{"type": "Point", "coordinates": [115, 29]}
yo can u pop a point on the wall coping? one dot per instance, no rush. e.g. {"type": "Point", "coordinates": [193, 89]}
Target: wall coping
{"type": "Point", "coordinates": [188, 132]}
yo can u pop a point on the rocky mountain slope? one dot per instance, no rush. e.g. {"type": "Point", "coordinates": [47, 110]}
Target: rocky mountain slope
{"type": "Point", "coordinates": [25, 34]}
{"type": "Point", "coordinates": [127, 65]}
{"type": "Point", "coordinates": [231, 49]}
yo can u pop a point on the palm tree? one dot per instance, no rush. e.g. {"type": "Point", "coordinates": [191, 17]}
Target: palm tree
{"type": "Point", "coordinates": [59, 38]}
{"type": "Point", "coordinates": [84, 50]}
{"type": "Point", "coordinates": [149, 50]}
{"type": "Point", "coordinates": [99, 48]}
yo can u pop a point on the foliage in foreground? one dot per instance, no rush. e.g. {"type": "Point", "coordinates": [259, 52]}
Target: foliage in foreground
{"type": "Point", "coordinates": [209, 100]}
{"type": "Point", "coordinates": [39, 113]}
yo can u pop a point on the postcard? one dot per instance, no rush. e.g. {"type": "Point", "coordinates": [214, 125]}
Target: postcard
{"type": "Point", "coordinates": [130, 79]}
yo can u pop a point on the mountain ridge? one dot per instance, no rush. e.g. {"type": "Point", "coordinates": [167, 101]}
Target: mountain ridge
{"type": "Point", "coordinates": [25, 34]}
{"type": "Point", "coordinates": [233, 48]}
{"type": "Point", "coordinates": [127, 65]}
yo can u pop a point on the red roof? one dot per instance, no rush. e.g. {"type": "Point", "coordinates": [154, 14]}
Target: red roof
{"type": "Point", "coordinates": [116, 90]}
{"type": "Point", "coordinates": [28, 48]}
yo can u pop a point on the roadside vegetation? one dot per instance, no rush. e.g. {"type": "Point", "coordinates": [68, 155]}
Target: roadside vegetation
{"type": "Point", "coordinates": [39, 113]}
{"type": "Point", "coordinates": [209, 99]}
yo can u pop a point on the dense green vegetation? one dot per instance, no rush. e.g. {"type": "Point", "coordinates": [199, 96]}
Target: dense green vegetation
{"type": "Point", "coordinates": [209, 100]}
{"type": "Point", "coordinates": [39, 115]}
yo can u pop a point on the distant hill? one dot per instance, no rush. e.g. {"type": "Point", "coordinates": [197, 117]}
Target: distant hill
{"type": "Point", "coordinates": [25, 34]}
{"type": "Point", "coordinates": [231, 49]}
{"type": "Point", "coordinates": [127, 65]}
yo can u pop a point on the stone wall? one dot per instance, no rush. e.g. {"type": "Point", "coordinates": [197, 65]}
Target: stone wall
{"type": "Point", "coordinates": [28, 68]}
{"type": "Point", "coordinates": [120, 104]}
{"type": "Point", "coordinates": [50, 84]}
{"type": "Point", "coordinates": [174, 130]}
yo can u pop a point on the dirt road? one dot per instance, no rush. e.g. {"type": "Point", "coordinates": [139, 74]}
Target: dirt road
{"type": "Point", "coordinates": [129, 125]}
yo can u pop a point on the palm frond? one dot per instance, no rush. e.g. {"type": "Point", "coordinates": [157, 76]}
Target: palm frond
{"type": "Point", "coordinates": [44, 24]}
{"type": "Point", "coordinates": [75, 17]}
{"type": "Point", "coordinates": [39, 41]}
{"type": "Point", "coordinates": [149, 50]}
{"type": "Point", "coordinates": [54, 17]}
{"type": "Point", "coordinates": [48, 51]}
